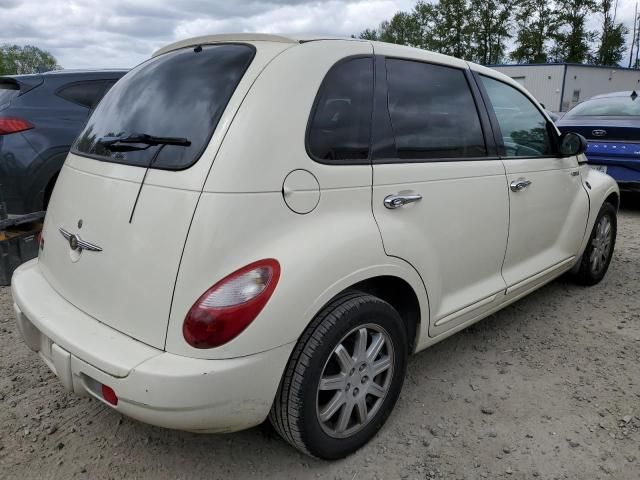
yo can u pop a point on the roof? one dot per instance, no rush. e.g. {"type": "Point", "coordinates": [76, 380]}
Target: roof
{"type": "Point", "coordinates": [85, 70]}
{"type": "Point", "coordinates": [626, 93]}
{"type": "Point", "coordinates": [248, 37]}
{"type": "Point", "coordinates": [561, 64]}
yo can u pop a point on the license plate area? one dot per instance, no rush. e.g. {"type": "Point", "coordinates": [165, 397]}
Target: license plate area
{"type": "Point", "coordinates": [599, 168]}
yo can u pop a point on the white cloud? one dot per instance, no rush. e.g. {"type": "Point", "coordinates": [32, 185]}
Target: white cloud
{"type": "Point", "coordinates": [96, 33]}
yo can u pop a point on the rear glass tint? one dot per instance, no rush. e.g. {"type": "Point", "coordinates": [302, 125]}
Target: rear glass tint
{"type": "Point", "coordinates": [178, 94]}
{"type": "Point", "coordinates": [86, 94]}
{"type": "Point", "coordinates": [8, 90]}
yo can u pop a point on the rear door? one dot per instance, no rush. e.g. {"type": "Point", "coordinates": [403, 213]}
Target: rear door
{"type": "Point", "coordinates": [548, 204]}
{"type": "Point", "coordinates": [140, 227]}
{"type": "Point", "coordinates": [439, 192]}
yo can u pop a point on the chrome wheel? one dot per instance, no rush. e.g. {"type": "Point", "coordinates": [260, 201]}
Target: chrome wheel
{"type": "Point", "coordinates": [355, 381]}
{"type": "Point", "coordinates": [601, 245]}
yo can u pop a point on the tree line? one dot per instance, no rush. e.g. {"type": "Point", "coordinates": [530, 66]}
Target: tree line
{"type": "Point", "coordinates": [523, 31]}
{"type": "Point", "coordinates": [15, 60]}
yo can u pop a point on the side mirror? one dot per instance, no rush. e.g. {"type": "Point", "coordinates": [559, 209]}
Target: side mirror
{"type": "Point", "coordinates": [572, 144]}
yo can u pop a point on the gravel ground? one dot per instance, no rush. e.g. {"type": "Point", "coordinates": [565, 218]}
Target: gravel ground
{"type": "Point", "coordinates": [548, 388]}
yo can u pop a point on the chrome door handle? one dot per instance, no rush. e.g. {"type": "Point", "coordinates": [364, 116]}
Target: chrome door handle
{"type": "Point", "coordinates": [519, 184]}
{"type": "Point", "coordinates": [396, 201]}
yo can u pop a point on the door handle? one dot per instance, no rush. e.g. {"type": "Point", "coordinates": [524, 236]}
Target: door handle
{"type": "Point", "coordinates": [519, 184]}
{"type": "Point", "coordinates": [396, 201]}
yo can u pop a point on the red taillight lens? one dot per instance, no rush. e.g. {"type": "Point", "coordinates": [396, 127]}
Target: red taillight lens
{"type": "Point", "coordinates": [228, 307]}
{"type": "Point", "coordinates": [109, 395]}
{"type": "Point", "coordinates": [13, 125]}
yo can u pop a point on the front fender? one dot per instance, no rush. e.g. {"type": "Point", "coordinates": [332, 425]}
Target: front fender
{"type": "Point", "coordinates": [599, 186]}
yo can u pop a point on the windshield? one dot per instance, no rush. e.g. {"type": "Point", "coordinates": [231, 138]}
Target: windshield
{"type": "Point", "coordinates": [179, 94]}
{"type": "Point", "coordinates": [607, 107]}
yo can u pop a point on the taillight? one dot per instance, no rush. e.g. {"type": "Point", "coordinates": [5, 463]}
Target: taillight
{"type": "Point", "coordinates": [13, 125]}
{"type": "Point", "coordinates": [228, 307]}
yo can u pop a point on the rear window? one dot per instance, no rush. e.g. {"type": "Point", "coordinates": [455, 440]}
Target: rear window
{"type": "Point", "coordinates": [8, 90]}
{"type": "Point", "coordinates": [607, 107]}
{"type": "Point", "coordinates": [178, 94]}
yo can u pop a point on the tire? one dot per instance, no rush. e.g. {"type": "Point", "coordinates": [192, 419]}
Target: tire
{"type": "Point", "coordinates": [299, 403]}
{"type": "Point", "coordinates": [596, 258]}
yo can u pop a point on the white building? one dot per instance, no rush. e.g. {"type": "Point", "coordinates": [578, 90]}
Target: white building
{"type": "Point", "coordinates": [559, 86]}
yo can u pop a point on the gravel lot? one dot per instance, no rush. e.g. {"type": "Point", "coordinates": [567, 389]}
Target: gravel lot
{"type": "Point", "coordinates": [547, 388]}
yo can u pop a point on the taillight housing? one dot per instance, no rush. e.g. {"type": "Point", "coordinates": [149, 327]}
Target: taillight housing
{"type": "Point", "coordinates": [227, 308]}
{"type": "Point", "coordinates": [14, 125]}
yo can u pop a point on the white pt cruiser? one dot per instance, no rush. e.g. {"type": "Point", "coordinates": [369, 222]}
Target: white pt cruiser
{"type": "Point", "coordinates": [257, 226]}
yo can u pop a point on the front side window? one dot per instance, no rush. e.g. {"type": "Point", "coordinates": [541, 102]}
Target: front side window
{"type": "Point", "coordinates": [340, 126]}
{"type": "Point", "coordinates": [178, 94]}
{"type": "Point", "coordinates": [433, 114]}
{"type": "Point", "coordinates": [522, 125]}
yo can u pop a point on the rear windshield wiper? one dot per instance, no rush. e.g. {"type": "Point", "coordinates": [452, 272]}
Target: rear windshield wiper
{"type": "Point", "coordinates": [128, 143]}
{"type": "Point", "coordinates": [124, 142]}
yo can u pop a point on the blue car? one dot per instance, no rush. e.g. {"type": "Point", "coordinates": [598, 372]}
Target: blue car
{"type": "Point", "coordinates": [611, 125]}
{"type": "Point", "coordinates": [40, 117]}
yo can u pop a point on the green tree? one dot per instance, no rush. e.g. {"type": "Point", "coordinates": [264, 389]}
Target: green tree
{"type": "Point", "coordinates": [490, 24]}
{"type": "Point", "coordinates": [536, 22]}
{"type": "Point", "coordinates": [450, 31]}
{"type": "Point", "coordinates": [571, 43]}
{"type": "Point", "coordinates": [612, 45]}
{"type": "Point", "coordinates": [401, 29]}
{"type": "Point", "coordinates": [15, 59]}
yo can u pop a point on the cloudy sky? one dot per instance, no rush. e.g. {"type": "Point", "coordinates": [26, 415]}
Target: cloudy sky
{"type": "Point", "coordinates": [117, 33]}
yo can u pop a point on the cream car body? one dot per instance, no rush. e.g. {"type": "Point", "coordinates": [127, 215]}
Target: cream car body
{"type": "Point", "coordinates": [116, 317]}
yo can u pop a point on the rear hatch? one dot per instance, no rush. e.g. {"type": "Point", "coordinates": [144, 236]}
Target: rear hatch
{"type": "Point", "coordinates": [121, 210]}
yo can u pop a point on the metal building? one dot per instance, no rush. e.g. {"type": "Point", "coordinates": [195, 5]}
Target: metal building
{"type": "Point", "coordinates": [559, 86]}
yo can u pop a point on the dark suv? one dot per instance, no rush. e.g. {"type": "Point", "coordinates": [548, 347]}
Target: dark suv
{"type": "Point", "coordinates": [40, 117]}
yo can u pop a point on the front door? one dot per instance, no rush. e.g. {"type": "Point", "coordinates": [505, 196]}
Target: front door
{"type": "Point", "coordinates": [548, 204]}
{"type": "Point", "coordinates": [438, 197]}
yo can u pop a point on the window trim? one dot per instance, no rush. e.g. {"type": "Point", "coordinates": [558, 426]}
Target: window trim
{"type": "Point", "coordinates": [205, 145]}
{"type": "Point", "coordinates": [315, 106]}
{"type": "Point", "coordinates": [382, 110]}
{"type": "Point", "coordinates": [553, 136]}
{"type": "Point", "coordinates": [60, 89]}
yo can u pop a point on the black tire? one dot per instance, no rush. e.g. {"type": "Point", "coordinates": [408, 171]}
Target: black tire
{"type": "Point", "coordinates": [296, 409]}
{"type": "Point", "coordinates": [587, 274]}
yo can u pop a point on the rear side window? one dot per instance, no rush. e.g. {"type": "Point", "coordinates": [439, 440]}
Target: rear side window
{"type": "Point", "coordinates": [340, 126]}
{"type": "Point", "coordinates": [8, 91]}
{"type": "Point", "coordinates": [522, 126]}
{"type": "Point", "coordinates": [86, 94]}
{"type": "Point", "coordinates": [178, 94]}
{"type": "Point", "coordinates": [432, 111]}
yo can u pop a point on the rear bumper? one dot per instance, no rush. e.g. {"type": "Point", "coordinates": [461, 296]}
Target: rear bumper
{"type": "Point", "coordinates": [152, 386]}
{"type": "Point", "coordinates": [626, 171]}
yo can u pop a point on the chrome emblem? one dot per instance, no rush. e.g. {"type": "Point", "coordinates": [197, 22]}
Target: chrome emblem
{"type": "Point", "coordinates": [78, 244]}
{"type": "Point", "coordinates": [598, 133]}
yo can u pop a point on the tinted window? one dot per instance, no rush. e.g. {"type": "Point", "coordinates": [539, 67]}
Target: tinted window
{"type": "Point", "coordinates": [341, 122]}
{"type": "Point", "coordinates": [432, 112]}
{"type": "Point", "coordinates": [523, 127]}
{"type": "Point", "coordinates": [87, 94]}
{"type": "Point", "coordinates": [8, 90]}
{"type": "Point", "coordinates": [178, 94]}
{"type": "Point", "coordinates": [608, 107]}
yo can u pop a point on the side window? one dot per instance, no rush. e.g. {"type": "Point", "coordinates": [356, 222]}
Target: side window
{"type": "Point", "coordinates": [87, 94]}
{"type": "Point", "coordinates": [523, 127]}
{"type": "Point", "coordinates": [340, 126]}
{"type": "Point", "coordinates": [432, 111]}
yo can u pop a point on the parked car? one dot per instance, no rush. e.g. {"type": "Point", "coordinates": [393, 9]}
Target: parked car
{"type": "Point", "coordinates": [257, 225]}
{"type": "Point", "coordinates": [611, 124]}
{"type": "Point", "coordinates": [40, 117]}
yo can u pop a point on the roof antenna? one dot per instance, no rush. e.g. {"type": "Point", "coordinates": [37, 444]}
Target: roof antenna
{"type": "Point", "coordinates": [634, 95]}
{"type": "Point", "coordinates": [198, 49]}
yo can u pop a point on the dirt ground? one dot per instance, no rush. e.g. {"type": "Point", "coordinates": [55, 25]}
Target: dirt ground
{"type": "Point", "coordinates": [548, 388]}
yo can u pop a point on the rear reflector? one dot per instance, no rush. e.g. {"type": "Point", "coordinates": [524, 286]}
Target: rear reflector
{"type": "Point", "coordinates": [13, 125]}
{"type": "Point", "coordinates": [109, 395]}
